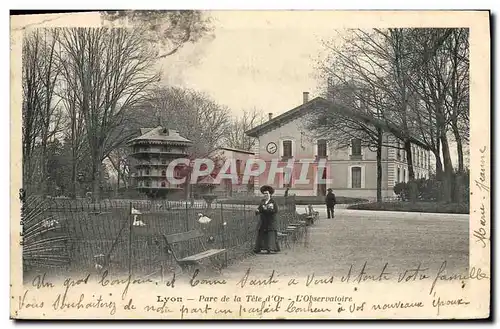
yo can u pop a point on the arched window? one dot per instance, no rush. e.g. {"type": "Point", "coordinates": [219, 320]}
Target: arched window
{"type": "Point", "coordinates": [163, 184]}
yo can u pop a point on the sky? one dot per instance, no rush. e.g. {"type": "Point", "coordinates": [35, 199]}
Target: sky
{"type": "Point", "coordinates": [262, 60]}
{"type": "Point", "coordinates": [257, 60]}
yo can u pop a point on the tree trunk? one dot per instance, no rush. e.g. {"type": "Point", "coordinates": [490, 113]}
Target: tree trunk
{"type": "Point", "coordinates": [448, 170]}
{"type": "Point", "coordinates": [96, 180]}
{"type": "Point", "coordinates": [73, 178]}
{"type": "Point", "coordinates": [187, 185]}
{"type": "Point", "coordinates": [412, 185]}
{"type": "Point", "coordinates": [409, 160]}
{"type": "Point", "coordinates": [44, 188]}
{"type": "Point", "coordinates": [460, 151]}
{"type": "Point", "coordinates": [379, 166]}
{"type": "Point", "coordinates": [439, 165]}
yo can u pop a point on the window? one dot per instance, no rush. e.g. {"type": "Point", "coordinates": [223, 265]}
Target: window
{"type": "Point", "coordinates": [356, 177]}
{"type": "Point", "coordinates": [238, 167]}
{"type": "Point", "coordinates": [322, 148]}
{"type": "Point", "coordinates": [163, 184]}
{"type": "Point", "coordinates": [163, 173]}
{"type": "Point", "coordinates": [398, 176]}
{"type": "Point", "coordinates": [147, 172]}
{"type": "Point", "coordinates": [356, 147]}
{"type": "Point", "coordinates": [163, 161]}
{"type": "Point", "coordinates": [404, 175]}
{"type": "Point", "coordinates": [148, 183]}
{"type": "Point", "coordinates": [287, 149]}
{"type": "Point", "coordinates": [398, 150]}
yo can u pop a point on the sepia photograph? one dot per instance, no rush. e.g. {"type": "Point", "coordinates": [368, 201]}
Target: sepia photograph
{"type": "Point", "coordinates": [197, 164]}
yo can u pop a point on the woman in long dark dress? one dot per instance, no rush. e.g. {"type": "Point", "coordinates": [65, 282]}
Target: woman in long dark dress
{"type": "Point", "coordinates": [267, 231]}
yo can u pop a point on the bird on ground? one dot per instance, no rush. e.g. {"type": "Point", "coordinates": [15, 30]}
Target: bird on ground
{"type": "Point", "coordinates": [138, 222]}
{"type": "Point", "coordinates": [50, 223]}
{"type": "Point", "coordinates": [203, 219]}
{"type": "Point", "coordinates": [100, 262]}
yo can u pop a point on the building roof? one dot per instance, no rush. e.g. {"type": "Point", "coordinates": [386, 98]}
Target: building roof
{"type": "Point", "coordinates": [160, 134]}
{"type": "Point", "coordinates": [236, 150]}
{"type": "Point", "coordinates": [315, 104]}
{"type": "Point", "coordinates": [145, 130]}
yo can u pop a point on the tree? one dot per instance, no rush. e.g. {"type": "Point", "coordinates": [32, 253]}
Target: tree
{"type": "Point", "coordinates": [168, 30]}
{"type": "Point", "coordinates": [406, 66]}
{"type": "Point", "coordinates": [196, 117]}
{"type": "Point", "coordinates": [74, 135]}
{"type": "Point", "coordinates": [376, 59]}
{"type": "Point", "coordinates": [120, 164]}
{"type": "Point", "coordinates": [108, 71]}
{"type": "Point", "coordinates": [457, 100]}
{"type": "Point", "coordinates": [443, 87]}
{"type": "Point", "coordinates": [41, 114]}
{"type": "Point", "coordinates": [345, 118]}
{"type": "Point", "coordinates": [236, 136]}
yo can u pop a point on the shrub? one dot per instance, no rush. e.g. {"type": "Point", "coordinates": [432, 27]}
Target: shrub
{"type": "Point", "coordinates": [431, 189]}
{"type": "Point", "coordinates": [299, 200]}
{"type": "Point", "coordinates": [401, 190]}
{"type": "Point", "coordinates": [424, 207]}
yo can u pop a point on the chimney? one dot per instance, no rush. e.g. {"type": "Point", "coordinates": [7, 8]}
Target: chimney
{"type": "Point", "coordinates": [270, 116]}
{"type": "Point", "coordinates": [305, 96]}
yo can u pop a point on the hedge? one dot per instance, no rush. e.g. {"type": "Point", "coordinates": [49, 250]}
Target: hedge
{"type": "Point", "coordinates": [425, 207]}
{"type": "Point", "coordinates": [299, 200]}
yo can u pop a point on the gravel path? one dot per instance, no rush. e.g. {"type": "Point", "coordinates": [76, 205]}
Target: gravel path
{"type": "Point", "coordinates": [354, 237]}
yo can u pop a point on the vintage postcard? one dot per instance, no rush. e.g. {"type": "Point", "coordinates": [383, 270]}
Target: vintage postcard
{"type": "Point", "coordinates": [250, 165]}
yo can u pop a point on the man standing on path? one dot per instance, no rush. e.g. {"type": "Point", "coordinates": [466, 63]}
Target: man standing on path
{"type": "Point", "coordinates": [330, 203]}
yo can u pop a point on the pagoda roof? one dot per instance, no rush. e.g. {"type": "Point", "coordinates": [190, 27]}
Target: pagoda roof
{"type": "Point", "coordinates": [160, 134]}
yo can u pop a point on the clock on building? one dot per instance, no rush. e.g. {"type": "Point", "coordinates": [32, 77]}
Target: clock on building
{"type": "Point", "coordinates": [271, 148]}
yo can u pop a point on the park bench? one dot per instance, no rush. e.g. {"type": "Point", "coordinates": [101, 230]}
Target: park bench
{"type": "Point", "coordinates": [291, 230]}
{"type": "Point", "coordinates": [311, 215]}
{"type": "Point", "coordinates": [176, 242]}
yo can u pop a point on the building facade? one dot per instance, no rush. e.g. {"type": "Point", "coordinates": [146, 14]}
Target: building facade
{"type": "Point", "coordinates": [314, 165]}
{"type": "Point", "coordinates": [152, 152]}
{"type": "Point", "coordinates": [239, 159]}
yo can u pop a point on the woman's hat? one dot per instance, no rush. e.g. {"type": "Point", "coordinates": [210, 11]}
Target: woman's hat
{"type": "Point", "coordinates": [267, 188]}
{"type": "Point", "coordinates": [329, 190]}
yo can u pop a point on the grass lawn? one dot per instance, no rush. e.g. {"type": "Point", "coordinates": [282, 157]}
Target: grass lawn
{"type": "Point", "coordinates": [425, 207]}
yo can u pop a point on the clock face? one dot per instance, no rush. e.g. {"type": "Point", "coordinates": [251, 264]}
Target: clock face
{"type": "Point", "coordinates": [271, 148]}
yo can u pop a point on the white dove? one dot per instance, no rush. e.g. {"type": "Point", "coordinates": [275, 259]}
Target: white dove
{"type": "Point", "coordinates": [49, 223]}
{"type": "Point", "coordinates": [203, 219]}
{"type": "Point", "coordinates": [99, 261]}
{"type": "Point", "coordinates": [138, 222]}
